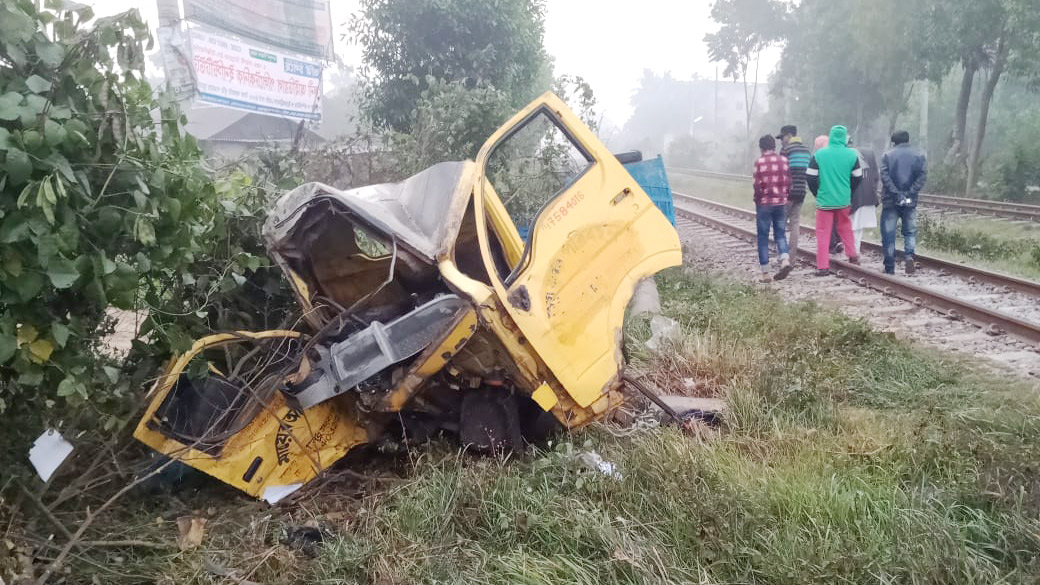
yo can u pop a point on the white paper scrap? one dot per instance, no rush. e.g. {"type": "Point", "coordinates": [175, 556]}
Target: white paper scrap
{"type": "Point", "coordinates": [274, 493]}
{"type": "Point", "coordinates": [48, 452]}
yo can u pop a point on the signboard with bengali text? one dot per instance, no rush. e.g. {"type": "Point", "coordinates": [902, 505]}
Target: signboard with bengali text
{"type": "Point", "coordinates": [235, 74]}
{"type": "Point", "coordinates": [299, 26]}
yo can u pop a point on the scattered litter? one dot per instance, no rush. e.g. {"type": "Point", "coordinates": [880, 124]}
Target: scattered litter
{"type": "Point", "coordinates": [662, 331]}
{"type": "Point", "coordinates": [190, 531]}
{"type": "Point", "coordinates": [275, 493]}
{"type": "Point", "coordinates": [48, 452]}
{"type": "Point", "coordinates": [221, 571]}
{"type": "Point", "coordinates": [593, 461]}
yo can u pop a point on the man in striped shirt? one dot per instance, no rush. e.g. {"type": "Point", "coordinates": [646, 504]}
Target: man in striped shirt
{"type": "Point", "coordinates": [797, 155]}
{"type": "Point", "coordinates": [772, 181]}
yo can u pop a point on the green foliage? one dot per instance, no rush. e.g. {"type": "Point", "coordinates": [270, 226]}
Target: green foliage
{"type": "Point", "coordinates": [482, 46]}
{"type": "Point", "coordinates": [748, 28]}
{"type": "Point", "coordinates": [102, 207]}
{"type": "Point", "coordinates": [578, 94]}
{"type": "Point", "coordinates": [687, 152]}
{"type": "Point", "coordinates": [937, 235]}
{"type": "Point", "coordinates": [1012, 172]}
{"type": "Point", "coordinates": [452, 121]}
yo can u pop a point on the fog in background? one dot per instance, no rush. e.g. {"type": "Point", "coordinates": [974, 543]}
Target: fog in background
{"type": "Point", "coordinates": [620, 49]}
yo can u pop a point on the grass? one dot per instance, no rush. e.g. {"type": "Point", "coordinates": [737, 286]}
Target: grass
{"type": "Point", "coordinates": [847, 456]}
{"type": "Point", "coordinates": [975, 245]}
{"type": "Point", "coordinates": [994, 244]}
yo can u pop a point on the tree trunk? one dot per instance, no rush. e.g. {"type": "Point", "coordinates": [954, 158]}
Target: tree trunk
{"type": "Point", "coordinates": [1003, 47]}
{"type": "Point", "coordinates": [960, 123]}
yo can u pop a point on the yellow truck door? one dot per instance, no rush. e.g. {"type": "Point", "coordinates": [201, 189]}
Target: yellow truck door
{"type": "Point", "coordinates": [593, 234]}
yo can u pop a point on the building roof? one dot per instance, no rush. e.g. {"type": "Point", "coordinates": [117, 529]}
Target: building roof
{"type": "Point", "coordinates": [216, 124]}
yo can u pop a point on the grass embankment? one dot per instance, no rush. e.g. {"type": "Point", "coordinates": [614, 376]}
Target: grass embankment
{"type": "Point", "coordinates": [996, 244]}
{"type": "Point", "coordinates": [847, 457]}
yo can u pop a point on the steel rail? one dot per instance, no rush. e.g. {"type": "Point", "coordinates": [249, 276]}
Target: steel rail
{"type": "Point", "coordinates": [1004, 209]}
{"type": "Point", "coordinates": [952, 307]}
{"type": "Point", "coordinates": [970, 273]}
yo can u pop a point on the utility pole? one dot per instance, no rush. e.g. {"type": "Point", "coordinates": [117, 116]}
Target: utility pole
{"type": "Point", "coordinates": [922, 140]}
{"type": "Point", "coordinates": [173, 45]}
{"type": "Point", "coordinates": [715, 126]}
{"type": "Point", "coordinates": [169, 12]}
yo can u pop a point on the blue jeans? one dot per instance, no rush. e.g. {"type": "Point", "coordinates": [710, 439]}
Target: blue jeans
{"type": "Point", "coordinates": [889, 216]}
{"type": "Point", "coordinates": [775, 216]}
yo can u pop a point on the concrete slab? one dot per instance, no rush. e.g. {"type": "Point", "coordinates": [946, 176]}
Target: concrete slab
{"type": "Point", "coordinates": [684, 403]}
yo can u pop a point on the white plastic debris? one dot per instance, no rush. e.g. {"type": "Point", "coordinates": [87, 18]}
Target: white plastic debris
{"type": "Point", "coordinates": [48, 452]}
{"type": "Point", "coordinates": [645, 298]}
{"type": "Point", "coordinates": [662, 331]}
{"type": "Point", "coordinates": [593, 461]}
{"type": "Point", "coordinates": [275, 493]}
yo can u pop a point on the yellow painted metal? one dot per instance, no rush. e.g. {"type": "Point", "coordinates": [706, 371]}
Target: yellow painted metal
{"type": "Point", "coordinates": [545, 397]}
{"type": "Point", "coordinates": [293, 447]}
{"type": "Point", "coordinates": [582, 266]}
{"type": "Point", "coordinates": [431, 361]}
{"type": "Point", "coordinates": [564, 350]}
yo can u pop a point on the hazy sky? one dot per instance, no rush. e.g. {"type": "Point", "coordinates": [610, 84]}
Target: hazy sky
{"type": "Point", "coordinates": [607, 42]}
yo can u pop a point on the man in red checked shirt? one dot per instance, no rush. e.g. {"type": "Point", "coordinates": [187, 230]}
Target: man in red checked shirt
{"type": "Point", "coordinates": [772, 185]}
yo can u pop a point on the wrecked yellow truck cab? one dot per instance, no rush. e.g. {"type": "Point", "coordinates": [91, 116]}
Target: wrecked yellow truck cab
{"type": "Point", "coordinates": [422, 311]}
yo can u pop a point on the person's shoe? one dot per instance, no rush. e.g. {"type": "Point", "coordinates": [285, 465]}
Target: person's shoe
{"type": "Point", "coordinates": [909, 265]}
{"type": "Point", "coordinates": [854, 260]}
{"type": "Point", "coordinates": [890, 271]}
{"type": "Point", "coordinates": [766, 277]}
{"type": "Point", "coordinates": [838, 248]}
{"type": "Point", "coordinates": [785, 269]}
{"type": "Point", "coordinates": [822, 272]}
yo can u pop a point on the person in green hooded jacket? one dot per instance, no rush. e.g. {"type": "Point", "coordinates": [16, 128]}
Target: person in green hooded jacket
{"type": "Point", "coordinates": [833, 174]}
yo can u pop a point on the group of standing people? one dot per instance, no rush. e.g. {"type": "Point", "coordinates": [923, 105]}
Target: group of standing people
{"type": "Point", "coordinates": [845, 182]}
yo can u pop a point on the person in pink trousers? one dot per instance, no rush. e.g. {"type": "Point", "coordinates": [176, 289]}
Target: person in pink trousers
{"type": "Point", "coordinates": [833, 174]}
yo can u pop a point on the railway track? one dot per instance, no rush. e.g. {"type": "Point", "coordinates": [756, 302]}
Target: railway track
{"type": "Point", "coordinates": [978, 314]}
{"type": "Point", "coordinates": [1001, 209]}
{"type": "Point", "coordinates": [945, 267]}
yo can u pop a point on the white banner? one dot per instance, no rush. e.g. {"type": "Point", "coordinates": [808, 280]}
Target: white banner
{"type": "Point", "coordinates": [176, 54]}
{"type": "Point", "coordinates": [234, 74]}
{"type": "Point", "coordinates": [300, 26]}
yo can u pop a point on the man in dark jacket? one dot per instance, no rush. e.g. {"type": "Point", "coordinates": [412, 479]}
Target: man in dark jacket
{"type": "Point", "coordinates": [904, 171]}
{"type": "Point", "coordinates": [798, 156]}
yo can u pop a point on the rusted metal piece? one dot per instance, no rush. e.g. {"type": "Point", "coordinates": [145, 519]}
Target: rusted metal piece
{"type": "Point", "coordinates": [956, 308]}
{"type": "Point", "coordinates": [972, 274]}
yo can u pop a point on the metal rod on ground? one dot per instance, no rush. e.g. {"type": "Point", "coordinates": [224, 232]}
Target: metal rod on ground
{"type": "Point", "coordinates": [635, 383]}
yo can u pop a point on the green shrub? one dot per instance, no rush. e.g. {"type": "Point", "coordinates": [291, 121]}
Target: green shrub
{"type": "Point", "coordinates": [102, 207]}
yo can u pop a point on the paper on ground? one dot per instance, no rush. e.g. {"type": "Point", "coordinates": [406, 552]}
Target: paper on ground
{"type": "Point", "coordinates": [48, 452]}
{"type": "Point", "coordinates": [274, 493]}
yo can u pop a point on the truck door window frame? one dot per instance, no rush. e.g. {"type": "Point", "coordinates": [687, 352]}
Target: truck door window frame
{"type": "Point", "coordinates": [591, 161]}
